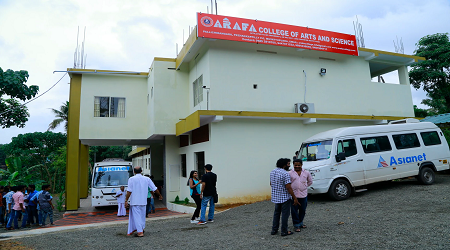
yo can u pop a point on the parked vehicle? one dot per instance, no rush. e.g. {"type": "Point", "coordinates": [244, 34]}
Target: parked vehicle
{"type": "Point", "coordinates": [108, 175]}
{"type": "Point", "coordinates": [346, 159]}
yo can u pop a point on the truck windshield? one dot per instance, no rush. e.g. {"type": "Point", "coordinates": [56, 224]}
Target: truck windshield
{"type": "Point", "coordinates": [111, 176]}
{"type": "Point", "coordinates": [315, 151]}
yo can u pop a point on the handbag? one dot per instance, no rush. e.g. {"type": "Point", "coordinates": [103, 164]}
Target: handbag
{"type": "Point", "coordinates": [216, 198]}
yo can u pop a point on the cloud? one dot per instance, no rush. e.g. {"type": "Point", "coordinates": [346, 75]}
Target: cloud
{"type": "Point", "coordinates": [40, 35]}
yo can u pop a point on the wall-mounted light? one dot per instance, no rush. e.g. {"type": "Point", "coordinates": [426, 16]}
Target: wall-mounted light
{"type": "Point", "coordinates": [323, 71]}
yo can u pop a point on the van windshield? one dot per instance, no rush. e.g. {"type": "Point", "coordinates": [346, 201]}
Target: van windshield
{"type": "Point", "coordinates": [315, 151]}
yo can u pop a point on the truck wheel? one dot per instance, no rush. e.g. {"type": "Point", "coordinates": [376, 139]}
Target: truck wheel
{"type": "Point", "coordinates": [426, 176]}
{"type": "Point", "coordinates": [339, 190]}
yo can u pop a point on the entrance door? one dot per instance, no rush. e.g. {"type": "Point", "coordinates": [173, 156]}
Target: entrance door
{"type": "Point", "coordinates": [353, 165]}
{"type": "Point", "coordinates": [200, 163]}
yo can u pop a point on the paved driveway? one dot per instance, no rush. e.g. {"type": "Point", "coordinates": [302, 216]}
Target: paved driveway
{"type": "Point", "coordinates": [392, 215]}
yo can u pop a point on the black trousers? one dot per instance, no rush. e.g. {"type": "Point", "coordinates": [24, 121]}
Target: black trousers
{"type": "Point", "coordinates": [198, 202]}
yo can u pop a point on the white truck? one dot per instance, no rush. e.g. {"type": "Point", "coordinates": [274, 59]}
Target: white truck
{"type": "Point", "coordinates": [107, 177]}
{"type": "Point", "coordinates": [344, 160]}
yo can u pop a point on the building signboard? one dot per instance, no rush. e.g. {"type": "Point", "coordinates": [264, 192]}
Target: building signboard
{"type": "Point", "coordinates": [260, 32]}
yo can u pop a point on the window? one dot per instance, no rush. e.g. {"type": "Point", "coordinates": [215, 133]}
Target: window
{"type": "Point", "coordinates": [376, 144]}
{"type": "Point", "coordinates": [347, 146]}
{"type": "Point", "coordinates": [109, 106]}
{"type": "Point", "coordinates": [430, 138]}
{"type": "Point", "coordinates": [314, 151]}
{"type": "Point", "coordinates": [183, 165]}
{"type": "Point", "coordinates": [198, 90]}
{"type": "Point", "coordinates": [406, 141]}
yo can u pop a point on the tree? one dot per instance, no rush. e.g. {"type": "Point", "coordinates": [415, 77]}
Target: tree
{"type": "Point", "coordinates": [418, 112]}
{"type": "Point", "coordinates": [38, 149]}
{"type": "Point", "coordinates": [433, 73]}
{"type": "Point", "coordinates": [2, 156]}
{"type": "Point", "coordinates": [15, 174]}
{"type": "Point", "coordinates": [12, 85]}
{"type": "Point", "coordinates": [99, 153]}
{"type": "Point", "coordinates": [62, 115]}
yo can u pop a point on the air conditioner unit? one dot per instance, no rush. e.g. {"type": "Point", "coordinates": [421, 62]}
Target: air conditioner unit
{"type": "Point", "coordinates": [304, 108]}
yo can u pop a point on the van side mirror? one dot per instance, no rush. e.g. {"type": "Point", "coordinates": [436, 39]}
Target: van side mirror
{"type": "Point", "coordinates": [340, 157]}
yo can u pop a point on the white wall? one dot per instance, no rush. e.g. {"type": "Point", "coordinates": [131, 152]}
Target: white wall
{"type": "Point", "coordinates": [134, 89]}
{"type": "Point", "coordinates": [345, 89]}
{"type": "Point", "coordinates": [170, 97]}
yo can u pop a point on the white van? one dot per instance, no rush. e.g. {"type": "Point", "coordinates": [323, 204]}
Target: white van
{"type": "Point", "coordinates": [346, 159]}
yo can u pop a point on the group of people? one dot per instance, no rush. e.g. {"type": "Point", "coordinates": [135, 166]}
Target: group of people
{"type": "Point", "coordinates": [290, 195]}
{"type": "Point", "coordinates": [26, 204]}
{"type": "Point", "coordinates": [141, 188]}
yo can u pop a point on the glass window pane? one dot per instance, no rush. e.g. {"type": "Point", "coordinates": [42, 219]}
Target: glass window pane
{"type": "Point", "coordinates": [350, 147]}
{"type": "Point", "coordinates": [406, 141]}
{"type": "Point", "coordinates": [430, 138]}
{"type": "Point", "coordinates": [117, 107]}
{"type": "Point", "coordinates": [376, 144]}
{"type": "Point", "coordinates": [104, 106]}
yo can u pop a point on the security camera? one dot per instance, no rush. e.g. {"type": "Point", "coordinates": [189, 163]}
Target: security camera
{"type": "Point", "coordinates": [204, 87]}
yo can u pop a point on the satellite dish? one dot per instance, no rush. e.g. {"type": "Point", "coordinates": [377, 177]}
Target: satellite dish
{"type": "Point", "coordinates": [304, 108]}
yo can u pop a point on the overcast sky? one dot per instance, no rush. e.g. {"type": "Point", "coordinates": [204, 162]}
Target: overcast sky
{"type": "Point", "coordinates": [40, 36]}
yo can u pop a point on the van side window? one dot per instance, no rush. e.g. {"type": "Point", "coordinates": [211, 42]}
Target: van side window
{"type": "Point", "coordinates": [347, 146]}
{"type": "Point", "coordinates": [404, 141]}
{"type": "Point", "coordinates": [430, 138]}
{"type": "Point", "coordinates": [376, 144]}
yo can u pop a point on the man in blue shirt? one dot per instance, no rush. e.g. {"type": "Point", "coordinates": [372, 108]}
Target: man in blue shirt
{"type": "Point", "coordinates": [32, 207]}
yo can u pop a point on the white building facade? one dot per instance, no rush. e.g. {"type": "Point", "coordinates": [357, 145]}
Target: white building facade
{"type": "Point", "coordinates": [231, 104]}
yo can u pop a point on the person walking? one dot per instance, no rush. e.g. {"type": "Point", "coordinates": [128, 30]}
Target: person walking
{"type": "Point", "coordinates": [208, 192]}
{"type": "Point", "coordinates": [282, 195]}
{"type": "Point", "coordinates": [137, 190]}
{"type": "Point", "coordinates": [300, 181]}
{"type": "Point", "coordinates": [194, 186]}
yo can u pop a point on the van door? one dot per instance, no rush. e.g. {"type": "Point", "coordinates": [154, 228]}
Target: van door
{"type": "Point", "coordinates": [353, 165]}
{"type": "Point", "coordinates": [377, 153]}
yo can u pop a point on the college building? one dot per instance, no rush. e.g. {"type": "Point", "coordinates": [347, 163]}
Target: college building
{"type": "Point", "coordinates": [239, 95]}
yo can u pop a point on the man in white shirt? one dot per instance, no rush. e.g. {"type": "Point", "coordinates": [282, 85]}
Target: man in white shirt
{"type": "Point", "coordinates": [137, 193]}
{"type": "Point", "coordinates": [120, 196]}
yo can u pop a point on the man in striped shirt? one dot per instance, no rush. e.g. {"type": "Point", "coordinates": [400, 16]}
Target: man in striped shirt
{"type": "Point", "coordinates": [282, 195]}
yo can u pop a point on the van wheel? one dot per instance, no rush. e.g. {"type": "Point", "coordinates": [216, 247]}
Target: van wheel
{"type": "Point", "coordinates": [339, 190]}
{"type": "Point", "coordinates": [426, 176]}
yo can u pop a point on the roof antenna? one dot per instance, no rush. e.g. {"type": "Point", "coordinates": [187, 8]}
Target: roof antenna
{"type": "Point", "coordinates": [216, 6]}
{"type": "Point", "coordinates": [359, 33]}
{"type": "Point", "coordinates": [399, 46]}
{"type": "Point", "coordinates": [79, 58]}
{"type": "Point", "coordinates": [212, 7]}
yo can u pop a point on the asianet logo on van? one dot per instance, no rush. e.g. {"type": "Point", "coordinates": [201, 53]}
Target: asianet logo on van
{"type": "Point", "coordinates": [401, 160]}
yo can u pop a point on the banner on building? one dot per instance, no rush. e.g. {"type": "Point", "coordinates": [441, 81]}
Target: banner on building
{"type": "Point", "coordinates": [256, 31]}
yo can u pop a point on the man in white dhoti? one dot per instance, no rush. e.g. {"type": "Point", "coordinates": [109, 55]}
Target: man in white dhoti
{"type": "Point", "coordinates": [120, 195]}
{"type": "Point", "coordinates": [137, 194]}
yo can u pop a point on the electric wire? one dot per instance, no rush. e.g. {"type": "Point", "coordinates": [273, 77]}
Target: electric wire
{"type": "Point", "coordinates": [36, 96]}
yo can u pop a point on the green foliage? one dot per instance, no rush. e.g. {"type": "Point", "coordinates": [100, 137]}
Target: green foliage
{"type": "Point", "coordinates": [186, 200]}
{"type": "Point", "coordinates": [12, 85]}
{"type": "Point", "coordinates": [16, 174]}
{"type": "Point", "coordinates": [446, 132]}
{"type": "Point", "coordinates": [177, 199]}
{"type": "Point", "coordinates": [62, 115]}
{"type": "Point", "coordinates": [433, 74]}
{"type": "Point", "coordinates": [418, 112]}
{"type": "Point", "coordinates": [2, 156]}
{"type": "Point", "coordinates": [61, 201]}
{"type": "Point", "coordinates": [42, 150]}
{"type": "Point", "coordinates": [99, 153]}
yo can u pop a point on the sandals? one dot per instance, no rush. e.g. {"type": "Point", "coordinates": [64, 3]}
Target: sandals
{"type": "Point", "coordinates": [298, 229]}
{"type": "Point", "coordinates": [288, 233]}
{"type": "Point", "coordinates": [140, 234]}
{"type": "Point", "coordinates": [303, 226]}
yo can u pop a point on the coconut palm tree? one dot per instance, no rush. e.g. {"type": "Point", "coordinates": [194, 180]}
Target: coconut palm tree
{"type": "Point", "coordinates": [62, 115]}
